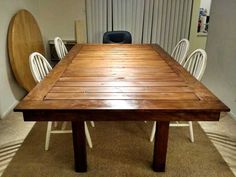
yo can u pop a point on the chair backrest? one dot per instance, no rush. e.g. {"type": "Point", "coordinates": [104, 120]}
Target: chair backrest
{"type": "Point", "coordinates": [180, 51]}
{"type": "Point", "coordinates": [60, 47]}
{"type": "Point", "coordinates": [121, 37]}
{"type": "Point", "coordinates": [39, 66]}
{"type": "Point", "coordinates": [196, 63]}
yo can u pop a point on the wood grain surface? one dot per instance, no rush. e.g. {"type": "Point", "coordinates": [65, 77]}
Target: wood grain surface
{"type": "Point", "coordinates": [24, 37]}
{"type": "Point", "coordinates": [126, 78]}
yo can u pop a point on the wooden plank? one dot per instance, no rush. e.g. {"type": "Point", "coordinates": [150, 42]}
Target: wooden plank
{"type": "Point", "coordinates": [24, 38]}
{"type": "Point", "coordinates": [117, 64]}
{"type": "Point", "coordinates": [120, 115]}
{"type": "Point", "coordinates": [80, 31]}
{"type": "Point", "coordinates": [120, 84]}
{"type": "Point", "coordinates": [124, 47]}
{"type": "Point", "coordinates": [122, 96]}
{"type": "Point", "coordinates": [108, 74]}
{"type": "Point", "coordinates": [121, 72]}
{"type": "Point", "coordinates": [155, 106]}
{"type": "Point", "coordinates": [121, 51]}
{"type": "Point", "coordinates": [117, 57]}
{"type": "Point", "coordinates": [119, 89]}
{"type": "Point", "coordinates": [120, 55]}
{"type": "Point", "coordinates": [159, 77]}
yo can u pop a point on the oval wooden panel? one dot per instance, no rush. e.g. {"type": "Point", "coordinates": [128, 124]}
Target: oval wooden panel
{"type": "Point", "coordinates": [24, 37]}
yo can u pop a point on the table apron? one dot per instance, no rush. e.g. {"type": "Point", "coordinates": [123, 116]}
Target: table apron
{"type": "Point", "coordinates": [59, 115]}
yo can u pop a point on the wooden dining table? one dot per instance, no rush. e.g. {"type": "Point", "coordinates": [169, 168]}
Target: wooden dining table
{"type": "Point", "coordinates": [120, 82]}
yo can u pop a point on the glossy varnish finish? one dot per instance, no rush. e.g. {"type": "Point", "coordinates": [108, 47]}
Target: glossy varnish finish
{"type": "Point", "coordinates": [24, 38]}
{"type": "Point", "coordinates": [121, 82]}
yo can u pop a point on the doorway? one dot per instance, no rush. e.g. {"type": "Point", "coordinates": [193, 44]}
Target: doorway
{"type": "Point", "coordinates": [199, 24]}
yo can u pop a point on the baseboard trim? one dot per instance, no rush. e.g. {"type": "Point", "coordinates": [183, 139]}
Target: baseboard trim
{"type": "Point", "coordinates": [4, 115]}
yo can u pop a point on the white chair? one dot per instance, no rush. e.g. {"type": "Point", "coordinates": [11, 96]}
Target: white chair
{"type": "Point", "coordinates": [40, 67]}
{"type": "Point", "coordinates": [180, 51]}
{"type": "Point", "coordinates": [196, 65]}
{"type": "Point", "coordinates": [60, 47]}
{"type": "Point", "coordinates": [61, 53]}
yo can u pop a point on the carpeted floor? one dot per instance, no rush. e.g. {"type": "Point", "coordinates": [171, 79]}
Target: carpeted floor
{"type": "Point", "coordinates": [121, 149]}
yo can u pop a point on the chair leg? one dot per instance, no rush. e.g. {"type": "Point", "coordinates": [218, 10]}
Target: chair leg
{"type": "Point", "coordinates": [55, 124]}
{"type": "Point", "coordinates": [88, 135]}
{"type": "Point", "coordinates": [48, 134]}
{"type": "Point", "coordinates": [63, 127]}
{"type": "Point", "coordinates": [153, 131]}
{"type": "Point", "coordinates": [191, 131]}
{"type": "Point", "coordinates": [92, 123]}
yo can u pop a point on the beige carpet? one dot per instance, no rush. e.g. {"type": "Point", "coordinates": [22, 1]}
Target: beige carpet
{"type": "Point", "coordinates": [121, 149]}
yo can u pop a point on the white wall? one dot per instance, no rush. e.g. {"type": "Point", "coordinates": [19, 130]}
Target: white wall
{"type": "Point", "coordinates": [220, 75]}
{"type": "Point", "coordinates": [58, 17]}
{"type": "Point", "coordinates": [10, 92]}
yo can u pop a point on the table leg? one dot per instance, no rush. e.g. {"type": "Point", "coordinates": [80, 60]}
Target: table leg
{"type": "Point", "coordinates": [160, 146]}
{"type": "Point", "coordinates": [79, 143]}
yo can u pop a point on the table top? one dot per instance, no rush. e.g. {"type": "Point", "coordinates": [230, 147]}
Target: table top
{"type": "Point", "coordinates": [24, 37]}
{"type": "Point", "coordinates": [92, 79]}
